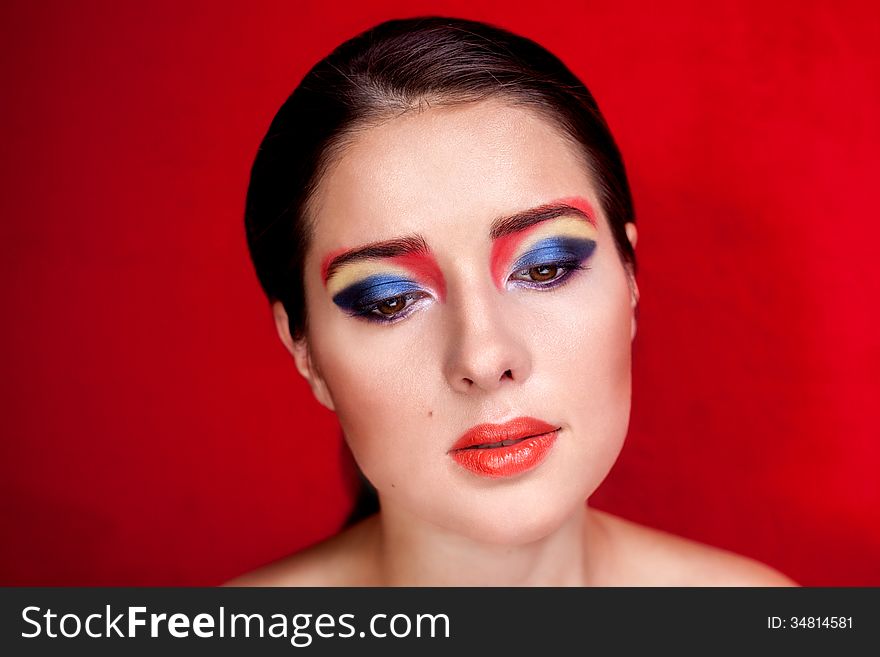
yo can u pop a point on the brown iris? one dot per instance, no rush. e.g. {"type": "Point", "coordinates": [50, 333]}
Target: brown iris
{"type": "Point", "coordinates": [543, 273]}
{"type": "Point", "coordinates": [391, 306]}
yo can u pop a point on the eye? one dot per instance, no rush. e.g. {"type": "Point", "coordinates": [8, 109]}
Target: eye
{"type": "Point", "coordinates": [392, 306]}
{"type": "Point", "coordinates": [541, 273]}
{"type": "Point", "coordinates": [551, 262]}
{"type": "Point", "coordinates": [546, 275]}
{"type": "Point", "coordinates": [391, 309]}
{"type": "Point", "coordinates": [380, 298]}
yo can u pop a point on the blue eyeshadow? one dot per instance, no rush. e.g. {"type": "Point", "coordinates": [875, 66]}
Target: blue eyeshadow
{"type": "Point", "coordinates": [556, 250]}
{"type": "Point", "coordinates": [373, 289]}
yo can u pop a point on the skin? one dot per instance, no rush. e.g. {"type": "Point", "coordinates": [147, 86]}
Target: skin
{"type": "Point", "coordinates": [482, 349]}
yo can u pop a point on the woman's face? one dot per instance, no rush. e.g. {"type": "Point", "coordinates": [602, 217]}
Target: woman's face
{"type": "Point", "coordinates": [485, 316]}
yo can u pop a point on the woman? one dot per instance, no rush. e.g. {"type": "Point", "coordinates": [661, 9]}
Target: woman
{"type": "Point", "coordinates": [443, 225]}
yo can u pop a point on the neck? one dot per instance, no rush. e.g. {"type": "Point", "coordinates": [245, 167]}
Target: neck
{"type": "Point", "coordinates": [413, 552]}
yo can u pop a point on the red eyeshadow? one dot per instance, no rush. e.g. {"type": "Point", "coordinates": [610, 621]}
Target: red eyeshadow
{"type": "Point", "coordinates": [425, 269]}
{"type": "Point", "coordinates": [583, 205]}
{"type": "Point", "coordinates": [504, 247]}
{"type": "Point", "coordinates": [503, 250]}
{"type": "Point", "coordinates": [325, 264]}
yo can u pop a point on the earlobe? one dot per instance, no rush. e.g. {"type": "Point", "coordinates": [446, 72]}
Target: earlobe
{"type": "Point", "coordinates": [302, 356]}
{"type": "Point", "coordinates": [282, 326]}
{"type": "Point", "coordinates": [635, 308]}
{"type": "Point", "coordinates": [632, 235]}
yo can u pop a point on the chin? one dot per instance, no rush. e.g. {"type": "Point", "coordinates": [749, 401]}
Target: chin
{"type": "Point", "coordinates": [519, 529]}
{"type": "Point", "coordinates": [533, 511]}
{"type": "Point", "coordinates": [513, 524]}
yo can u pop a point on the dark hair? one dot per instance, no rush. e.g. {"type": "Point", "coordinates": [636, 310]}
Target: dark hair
{"type": "Point", "coordinates": [392, 68]}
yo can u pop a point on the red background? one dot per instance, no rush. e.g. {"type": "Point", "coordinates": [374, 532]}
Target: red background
{"type": "Point", "coordinates": [150, 413]}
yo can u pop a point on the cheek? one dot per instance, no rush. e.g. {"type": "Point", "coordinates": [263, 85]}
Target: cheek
{"type": "Point", "coordinates": [598, 367]}
{"type": "Point", "coordinates": [380, 393]}
{"type": "Point", "coordinates": [583, 359]}
{"type": "Point", "coordinates": [585, 334]}
{"type": "Point", "coordinates": [603, 348]}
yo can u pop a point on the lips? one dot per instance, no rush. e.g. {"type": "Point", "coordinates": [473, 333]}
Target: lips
{"type": "Point", "coordinates": [505, 450]}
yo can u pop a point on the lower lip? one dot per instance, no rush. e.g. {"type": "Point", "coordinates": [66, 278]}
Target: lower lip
{"type": "Point", "coordinates": [497, 462]}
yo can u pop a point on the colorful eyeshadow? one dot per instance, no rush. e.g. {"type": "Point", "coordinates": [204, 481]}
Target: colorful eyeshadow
{"type": "Point", "coordinates": [581, 204]}
{"type": "Point", "coordinates": [359, 279]}
{"type": "Point", "coordinates": [564, 239]}
{"type": "Point", "coordinates": [556, 250]}
{"type": "Point", "coordinates": [420, 268]}
{"type": "Point", "coordinates": [371, 290]}
{"type": "Point", "coordinates": [425, 269]}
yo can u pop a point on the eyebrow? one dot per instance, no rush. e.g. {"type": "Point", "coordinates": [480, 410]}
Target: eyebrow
{"type": "Point", "coordinates": [501, 227]}
{"type": "Point", "coordinates": [521, 220]}
{"type": "Point", "coordinates": [415, 244]}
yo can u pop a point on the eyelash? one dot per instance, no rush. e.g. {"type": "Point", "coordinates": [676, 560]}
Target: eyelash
{"type": "Point", "coordinates": [568, 268]}
{"type": "Point", "coordinates": [371, 313]}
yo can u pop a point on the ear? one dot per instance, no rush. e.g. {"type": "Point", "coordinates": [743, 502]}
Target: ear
{"type": "Point", "coordinates": [633, 236]}
{"type": "Point", "coordinates": [302, 356]}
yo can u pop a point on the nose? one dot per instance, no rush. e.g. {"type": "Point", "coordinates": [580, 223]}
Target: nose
{"type": "Point", "coordinates": [485, 351]}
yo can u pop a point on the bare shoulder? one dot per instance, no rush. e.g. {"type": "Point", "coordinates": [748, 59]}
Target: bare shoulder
{"type": "Point", "coordinates": [338, 561]}
{"type": "Point", "coordinates": [645, 556]}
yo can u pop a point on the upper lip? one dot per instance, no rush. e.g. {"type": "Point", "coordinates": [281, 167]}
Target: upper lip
{"type": "Point", "coordinates": [515, 429]}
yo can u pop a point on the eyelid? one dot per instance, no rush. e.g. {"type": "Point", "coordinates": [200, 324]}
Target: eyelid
{"type": "Point", "coordinates": [368, 313]}
{"type": "Point", "coordinates": [372, 290]}
{"type": "Point", "coordinates": [560, 249]}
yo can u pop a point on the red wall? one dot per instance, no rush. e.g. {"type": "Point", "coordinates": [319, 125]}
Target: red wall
{"type": "Point", "coordinates": [149, 412]}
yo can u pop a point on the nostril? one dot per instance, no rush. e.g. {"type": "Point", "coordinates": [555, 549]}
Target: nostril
{"type": "Point", "coordinates": [508, 374]}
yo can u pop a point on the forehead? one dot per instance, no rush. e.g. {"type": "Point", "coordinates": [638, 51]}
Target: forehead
{"type": "Point", "coordinates": [445, 172]}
